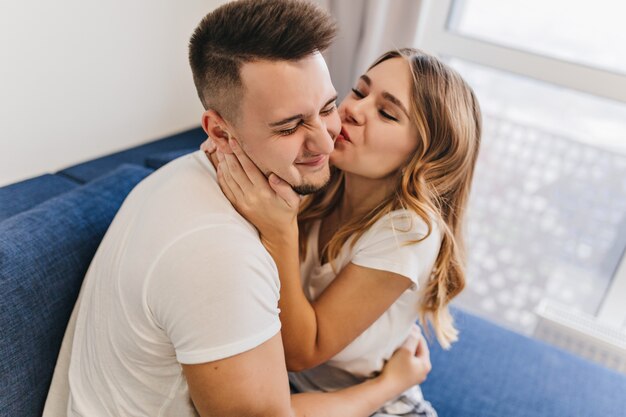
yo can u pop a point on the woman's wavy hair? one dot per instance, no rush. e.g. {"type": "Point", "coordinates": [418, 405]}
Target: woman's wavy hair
{"type": "Point", "coordinates": [434, 183]}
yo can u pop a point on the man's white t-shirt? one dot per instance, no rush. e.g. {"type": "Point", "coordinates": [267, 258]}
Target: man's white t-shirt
{"type": "Point", "coordinates": [385, 246]}
{"type": "Point", "coordinates": [180, 277]}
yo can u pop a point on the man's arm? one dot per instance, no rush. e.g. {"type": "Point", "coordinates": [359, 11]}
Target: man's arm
{"type": "Point", "coordinates": [250, 384]}
{"type": "Point", "coordinates": [255, 384]}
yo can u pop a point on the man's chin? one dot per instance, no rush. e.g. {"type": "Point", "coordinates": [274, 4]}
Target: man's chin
{"type": "Point", "coordinates": [307, 188]}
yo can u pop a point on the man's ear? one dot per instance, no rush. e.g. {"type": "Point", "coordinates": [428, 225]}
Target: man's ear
{"type": "Point", "coordinates": [217, 129]}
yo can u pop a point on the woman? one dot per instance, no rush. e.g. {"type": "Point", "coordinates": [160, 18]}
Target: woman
{"type": "Point", "coordinates": [382, 245]}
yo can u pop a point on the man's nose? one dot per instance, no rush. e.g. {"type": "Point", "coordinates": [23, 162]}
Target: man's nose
{"type": "Point", "coordinates": [322, 138]}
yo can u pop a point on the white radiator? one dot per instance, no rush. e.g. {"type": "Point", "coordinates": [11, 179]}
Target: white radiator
{"type": "Point", "coordinates": [581, 334]}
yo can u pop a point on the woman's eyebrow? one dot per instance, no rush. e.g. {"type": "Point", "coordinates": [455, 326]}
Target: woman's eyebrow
{"type": "Point", "coordinates": [390, 97]}
{"type": "Point", "coordinates": [386, 95]}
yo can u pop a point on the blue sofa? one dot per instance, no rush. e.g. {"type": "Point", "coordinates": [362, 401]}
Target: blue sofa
{"type": "Point", "coordinates": [50, 228]}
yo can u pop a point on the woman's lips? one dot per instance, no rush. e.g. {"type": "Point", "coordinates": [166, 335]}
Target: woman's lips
{"type": "Point", "coordinates": [343, 135]}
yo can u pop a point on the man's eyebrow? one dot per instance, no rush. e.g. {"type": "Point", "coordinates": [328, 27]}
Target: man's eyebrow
{"type": "Point", "coordinates": [287, 120]}
{"type": "Point", "coordinates": [390, 97]}
{"type": "Point", "coordinates": [298, 116]}
{"type": "Point", "coordinates": [330, 101]}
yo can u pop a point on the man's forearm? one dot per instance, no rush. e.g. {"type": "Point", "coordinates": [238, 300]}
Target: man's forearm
{"type": "Point", "coordinates": [360, 400]}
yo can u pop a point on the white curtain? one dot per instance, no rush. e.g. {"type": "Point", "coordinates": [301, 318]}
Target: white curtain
{"type": "Point", "coordinates": [367, 28]}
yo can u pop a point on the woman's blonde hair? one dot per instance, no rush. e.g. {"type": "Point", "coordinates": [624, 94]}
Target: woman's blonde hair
{"type": "Point", "coordinates": [434, 183]}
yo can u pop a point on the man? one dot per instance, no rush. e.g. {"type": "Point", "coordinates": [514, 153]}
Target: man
{"type": "Point", "coordinates": [178, 312]}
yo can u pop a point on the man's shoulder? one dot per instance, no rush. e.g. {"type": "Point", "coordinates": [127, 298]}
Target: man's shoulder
{"type": "Point", "coordinates": [181, 198]}
{"type": "Point", "coordinates": [219, 231]}
{"type": "Point", "coordinates": [180, 176]}
{"type": "Point", "coordinates": [219, 258]}
{"type": "Point", "coordinates": [182, 209]}
{"type": "Point", "coordinates": [220, 242]}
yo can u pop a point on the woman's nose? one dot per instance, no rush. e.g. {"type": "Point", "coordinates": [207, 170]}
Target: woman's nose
{"type": "Point", "coordinates": [353, 113]}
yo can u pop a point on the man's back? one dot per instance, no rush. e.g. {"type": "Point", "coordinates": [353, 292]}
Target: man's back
{"type": "Point", "coordinates": [180, 277]}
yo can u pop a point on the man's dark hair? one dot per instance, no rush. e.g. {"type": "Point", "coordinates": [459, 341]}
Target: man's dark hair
{"type": "Point", "coordinates": [248, 30]}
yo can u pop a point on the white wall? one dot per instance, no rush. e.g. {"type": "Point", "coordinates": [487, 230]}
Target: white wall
{"type": "Point", "coordinates": [83, 78]}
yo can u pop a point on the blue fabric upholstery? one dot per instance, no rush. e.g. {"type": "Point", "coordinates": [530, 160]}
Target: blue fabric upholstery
{"type": "Point", "coordinates": [44, 254]}
{"type": "Point", "coordinates": [156, 161]}
{"type": "Point", "coordinates": [90, 170]}
{"type": "Point", "coordinates": [23, 195]}
{"type": "Point", "coordinates": [493, 372]}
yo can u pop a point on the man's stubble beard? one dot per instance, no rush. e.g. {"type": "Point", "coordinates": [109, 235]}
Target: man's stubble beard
{"type": "Point", "coordinates": [302, 189]}
{"type": "Point", "coordinates": [306, 189]}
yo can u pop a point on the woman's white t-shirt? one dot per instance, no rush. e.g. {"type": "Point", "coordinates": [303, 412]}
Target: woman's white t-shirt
{"type": "Point", "coordinates": [385, 246]}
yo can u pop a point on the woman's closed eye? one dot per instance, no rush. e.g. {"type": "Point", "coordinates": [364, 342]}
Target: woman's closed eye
{"type": "Point", "coordinates": [386, 115]}
{"type": "Point", "coordinates": [358, 93]}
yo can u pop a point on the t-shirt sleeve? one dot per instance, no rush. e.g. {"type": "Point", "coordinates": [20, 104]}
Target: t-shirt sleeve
{"type": "Point", "coordinates": [214, 300]}
{"type": "Point", "coordinates": [387, 246]}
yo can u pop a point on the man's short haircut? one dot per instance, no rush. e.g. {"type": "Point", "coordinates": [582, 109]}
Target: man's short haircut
{"type": "Point", "coordinates": [249, 30]}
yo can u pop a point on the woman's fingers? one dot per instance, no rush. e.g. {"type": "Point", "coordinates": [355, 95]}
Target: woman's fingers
{"type": "Point", "coordinates": [237, 173]}
{"type": "Point", "coordinates": [271, 197]}
{"type": "Point", "coordinates": [412, 342]}
{"type": "Point", "coordinates": [253, 173]}
{"type": "Point", "coordinates": [208, 146]}
{"type": "Point", "coordinates": [284, 191]}
{"type": "Point", "coordinates": [225, 187]}
{"type": "Point", "coordinates": [410, 363]}
{"type": "Point", "coordinates": [423, 351]}
{"type": "Point", "coordinates": [227, 182]}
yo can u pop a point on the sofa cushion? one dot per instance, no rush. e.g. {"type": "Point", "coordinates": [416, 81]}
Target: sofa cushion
{"type": "Point", "coordinates": [90, 170]}
{"type": "Point", "coordinates": [157, 160]}
{"type": "Point", "coordinates": [493, 372]}
{"type": "Point", "coordinates": [44, 255]}
{"type": "Point", "coordinates": [23, 195]}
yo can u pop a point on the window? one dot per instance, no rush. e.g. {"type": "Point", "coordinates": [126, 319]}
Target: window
{"type": "Point", "coordinates": [576, 31]}
{"type": "Point", "coordinates": [547, 217]}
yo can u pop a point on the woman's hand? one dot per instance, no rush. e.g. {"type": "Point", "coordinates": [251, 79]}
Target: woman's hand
{"type": "Point", "coordinates": [208, 146]}
{"type": "Point", "coordinates": [272, 206]}
{"type": "Point", "coordinates": [410, 363]}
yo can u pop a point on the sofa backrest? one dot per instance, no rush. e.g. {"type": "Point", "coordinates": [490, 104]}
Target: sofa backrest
{"type": "Point", "coordinates": [85, 172]}
{"type": "Point", "coordinates": [24, 195]}
{"type": "Point", "coordinates": [44, 255]}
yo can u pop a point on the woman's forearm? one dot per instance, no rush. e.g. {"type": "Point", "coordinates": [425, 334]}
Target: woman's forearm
{"type": "Point", "coordinates": [298, 317]}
